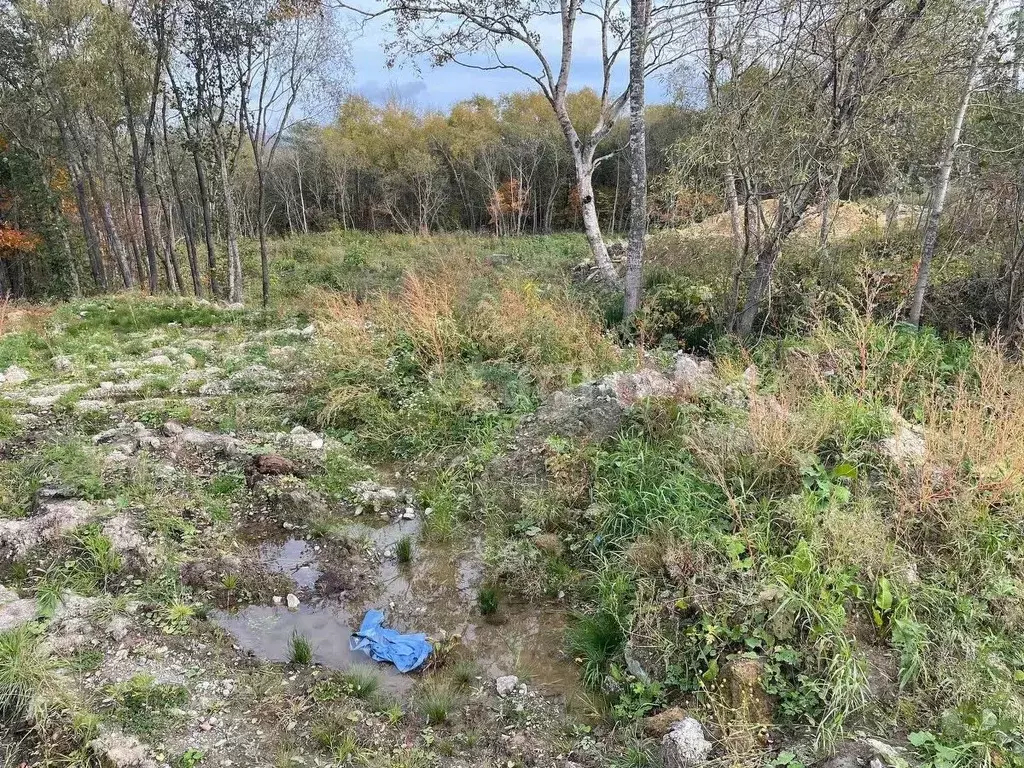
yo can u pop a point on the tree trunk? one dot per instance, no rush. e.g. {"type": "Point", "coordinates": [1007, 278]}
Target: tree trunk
{"type": "Point", "coordinates": [92, 240]}
{"type": "Point", "coordinates": [931, 230]}
{"type": "Point", "coordinates": [230, 226]}
{"type": "Point", "coordinates": [639, 15]}
{"type": "Point", "coordinates": [788, 217]}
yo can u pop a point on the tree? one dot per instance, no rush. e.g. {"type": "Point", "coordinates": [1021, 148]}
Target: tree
{"type": "Point", "coordinates": [454, 30]}
{"type": "Point", "coordinates": [945, 167]}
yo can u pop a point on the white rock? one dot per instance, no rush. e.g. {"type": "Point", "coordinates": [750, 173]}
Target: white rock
{"type": "Point", "coordinates": [7, 595]}
{"type": "Point", "coordinates": [16, 613]}
{"type": "Point", "coordinates": [293, 602]}
{"type": "Point", "coordinates": [685, 745]}
{"type": "Point", "coordinates": [506, 685]}
{"type": "Point", "coordinates": [277, 599]}
{"type": "Point", "coordinates": [15, 375]}
{"type": "Point", "coordinates": [159, 360]}
{"type": "Point", "coordinates": [62, 363]}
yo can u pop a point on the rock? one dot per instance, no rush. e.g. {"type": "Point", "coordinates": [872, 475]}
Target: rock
{"type": "Point", "coordinates": [131, 544]}
{"type": "Point", "coordinates": [750, 708]}
{"type": "Point", "coordinates": [15, 375]}
{"type": "Point", "coordinates": [862, 752]}
{"type": "Point", "coordinates": [277, 599]}
{"type": "Point", "coordinates": [118, 628]}
{"type": "Point", "coordinates": [16, 613]}
{"type": "Point", "coordinates": [62, 363]}
{"type": "Point", "coordinates": [308, 331]}
{"type": "Point", "coordinates": [751, 377]}
{"type": "Point", "coordinates": [906, 447]}
{"type": "Point", "coordinates": [255, 378]}
{"type": "Point", "coordinates": [658, 725]}
{"type": "Point", "coordinates": [173, 428]}
{"type": "Point", "coordinates": [272, 464]}
{"type": "Point", "coordinates": [685, 745]}
{"type": "Point", "coordinates": [303, 438]}
{"type": "Point", "coordinates": [629, 387]}
{"type": "Point", "coordinates": [506, 685]}
{"type": "Point", "coordinates": [370, 493]}
{"type": "Point", "coordinates": [7, 595]}
{"type": "Point", "coordinates": [187, 360]}
{"type": "Point", "coordinates": [293, 602]}
{"type": "Point", "coordinates": [117, 750]}
{"type": "Point", "coordinates": [163, 360]}
{"type": "Point", "coordinates": [50, 520]}
{"type": "Point", "coordinates": [693, 376]}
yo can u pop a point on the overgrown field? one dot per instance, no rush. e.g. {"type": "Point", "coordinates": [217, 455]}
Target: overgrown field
{"type": "Point", "coordinates": [812, 546]}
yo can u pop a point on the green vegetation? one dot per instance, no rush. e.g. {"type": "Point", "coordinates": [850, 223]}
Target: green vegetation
{"type": "Point", "coordinates": [300, 649]}
{"type": "Point", "coordinates": [146, 707]}
{"type": "Point", "coordinates": [821, 539]}
{"type": "Point", "coordinates": [403, 550]}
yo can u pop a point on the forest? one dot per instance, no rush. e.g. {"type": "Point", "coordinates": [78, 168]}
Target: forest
{"type": "Point", "coordinates": [664, 410]}
{"type": "Point", "coordinates": [141, 143]}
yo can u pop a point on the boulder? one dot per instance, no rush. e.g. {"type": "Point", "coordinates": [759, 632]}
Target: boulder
{"type": "Point", "coordinates": [51, 519]}
{"type": "Point", "coordinates": [692, 376]}
{"type": "Point", "coordinates": [14, 375]}
{"type": "Point", "coordinates": [506, 685]}
{"type": "Point", "coordinates": [16, 613]}
{"type": "Point", "coordinates": [656, 726]}
{"type": "Point", "coordinates": [906, 447]}
{"type": "Point", "coordinates": [129, 542]}
{"type": "Point", "coordinates": [114, 749]}
{"type": "Point", "coordinates": [685, 745]}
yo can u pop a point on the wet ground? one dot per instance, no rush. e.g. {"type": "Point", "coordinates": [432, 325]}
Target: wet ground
{"type": "Point", "coordinates": [436, 593]}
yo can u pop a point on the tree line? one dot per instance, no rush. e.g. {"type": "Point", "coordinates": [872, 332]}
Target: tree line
{"type": "Point", "coordinates": [141, 140]}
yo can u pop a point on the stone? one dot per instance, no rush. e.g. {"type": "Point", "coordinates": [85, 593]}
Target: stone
{"type": "Point", "coordinates": [15, 375]}
{"type": "Point", "coordinates": [658, 725]}
{"type": "Point", "coordinates": [293, 602]}
{"type": "Point", "coordinates": [62, 363]}
{"type": "Point", "coordinates": [906, 447]}
{"type": "Point", "coordinates": [118, 628]}
{"type": "Point", "coordinates": [7, 595]}
{"type": "Point", "coordinates": [173, 428]}
{"type": "Point", "coordinates": [51, 519]}
{"type": "Point", "coordinates": [163, 360]}
{"type": "Point", "coordinates": [693, 376]}
{"type": "Point", "coordinates": [273, 464]}
{"type": "Point", "coordinates": [277, 599]}
{"type": "Point", "coordinates": [187, 360]}
{"type": "Point", "coordinates": [685, 745]}
{"type": "Point", "coordinates": [114, 749]}
{"type": "Point", "coordinates": [129, 542]}
{"type": "Point", "coordinates": [506, 685]}
{"type": "Point", "coordinates": [303, 438]}
{"type": "Point", "coordinates": [630, 387]}
{"type": "Point", "coordinates": [16, 613]}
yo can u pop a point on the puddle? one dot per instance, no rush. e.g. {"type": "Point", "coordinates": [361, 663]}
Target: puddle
{"type": "Point", "coordinates": [295, 558]}
{"type": "Point", "coordinates": [436, 593]}
{"type": "Point", "coordinates": [266, 631]}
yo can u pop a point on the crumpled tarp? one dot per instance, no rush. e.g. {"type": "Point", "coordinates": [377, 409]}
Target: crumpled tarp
{"type": "Point", "coordinates": [406, 652]}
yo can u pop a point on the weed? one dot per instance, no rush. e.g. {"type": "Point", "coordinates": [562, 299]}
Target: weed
{"type": "Point", "coordinates": [25, 670]}
{"type": "Point", "coordinates": [487, 600]}
{"type": "Point", "coordinates": [594, 641]}
{"type": "Point", "coordinates": [300, 649]}
{"type": "Point", "coordinates": [464, 672]}
{"type": "Point", "coordinates": [360, 682]}
{"type": "Point", "coordinates": [190, 758]}
{"type": "Point", "coordinates": [145, 707]}
{"type": "Point", "coordinates": [403, 550]}
{"type": "Point", "coordinates": [435, 701]}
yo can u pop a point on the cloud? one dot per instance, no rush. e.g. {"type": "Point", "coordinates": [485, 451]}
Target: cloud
{"type": "Point", "coordinates": [402, 91]}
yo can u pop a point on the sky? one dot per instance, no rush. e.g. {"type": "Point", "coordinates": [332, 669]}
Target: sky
{"type": "Point", "coordinates": [420, 85]}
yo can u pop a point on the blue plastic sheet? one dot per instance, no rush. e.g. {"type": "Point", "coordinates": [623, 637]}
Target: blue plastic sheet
{"type": "Point", "coordinates": [406, 652]}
